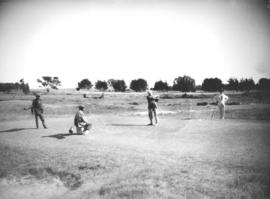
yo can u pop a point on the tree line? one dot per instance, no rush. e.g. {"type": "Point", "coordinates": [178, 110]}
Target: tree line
{"type": "Point", "coordinates": [184, 84]}
{"type": "Point", "coordinates": [18, 86]}
{"type": "Point", "coordinates": [181, 83]}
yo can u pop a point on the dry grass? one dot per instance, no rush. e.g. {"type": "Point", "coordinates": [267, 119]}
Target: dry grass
{"type": "Point", "coordinates": [57, 104]}
{"type": "Point", "coordinates": [187, 156]}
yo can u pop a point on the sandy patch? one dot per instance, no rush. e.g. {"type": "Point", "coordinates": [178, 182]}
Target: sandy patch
{"type": "Point", "coordinates": [30, 188]}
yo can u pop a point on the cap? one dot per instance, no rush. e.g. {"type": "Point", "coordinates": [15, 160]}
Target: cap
{"type": "Point", "coordinates": [81, 106]}
{"type": "Point", "coordinates": [221, 90]}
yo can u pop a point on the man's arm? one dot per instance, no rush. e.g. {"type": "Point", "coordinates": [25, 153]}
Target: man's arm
{"type": "Point", "coordinates": [216, 98]}
{"type": "Point", "coordinates": [82, 117]}
{"type": "Point", "coordinates": [29, 108]}
{"type": "Point", "coordinates": [41, 106]}
{"type": "Point", "coordinates": [226, 98]}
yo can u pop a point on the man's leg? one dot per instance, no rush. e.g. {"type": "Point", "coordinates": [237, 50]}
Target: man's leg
{"type": "Point", "coordinates": [223, 112]}
{"type": "Point", "coordinates": [155, 115]}
{"type": "Point", "coordinates": [42, 120]}
{"type": "Point", "coordinates": [219, 111]}
{"type": "Point", "coordinates": [79, 130]}
{"type": "Point", "coordinates": [150, 115]}
{"type": "Point", "coordinates": [87, 127]}
{"type": "Point", "coordinates": [36, 119]}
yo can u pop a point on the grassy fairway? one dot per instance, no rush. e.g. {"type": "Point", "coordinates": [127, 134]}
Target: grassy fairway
{"type": "Point", "coordinates": [182, 157]}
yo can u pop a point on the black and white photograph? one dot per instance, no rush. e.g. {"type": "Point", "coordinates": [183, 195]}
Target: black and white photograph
{"type": "Point", "coordinates": [134, 99]}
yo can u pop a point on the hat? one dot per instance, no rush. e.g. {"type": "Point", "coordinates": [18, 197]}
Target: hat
{"type": "Point", "coordinates": [37, 95]}
{"type": "Point", "coordinates": [81, 106]}
{"type": "Point", "coordinates": [221, 90]}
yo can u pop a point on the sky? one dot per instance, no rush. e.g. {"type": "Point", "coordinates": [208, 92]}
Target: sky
{"type": "Point", "coordinates": [130, 39]}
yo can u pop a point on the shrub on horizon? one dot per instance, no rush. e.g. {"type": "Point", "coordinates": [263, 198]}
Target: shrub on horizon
{"type": "Point", "coordinates": [138, 85]}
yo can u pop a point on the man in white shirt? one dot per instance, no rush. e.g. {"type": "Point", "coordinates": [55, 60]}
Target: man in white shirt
{"type": "Point", "coordinates": [80, 121]}
{"type": "Point", "coordinates": [221, 100]}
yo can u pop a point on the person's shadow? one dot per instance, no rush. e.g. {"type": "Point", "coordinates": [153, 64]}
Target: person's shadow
{"type": "Point", "coordinates": [15, 130]}
{"type": "Point", "coordinates": [127, 124]}
{"type": "Point", "coordinates": [60, 136]}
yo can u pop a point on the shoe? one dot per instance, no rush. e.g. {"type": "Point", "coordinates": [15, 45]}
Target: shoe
{"type": "Point", "coordinates": [150, 124]}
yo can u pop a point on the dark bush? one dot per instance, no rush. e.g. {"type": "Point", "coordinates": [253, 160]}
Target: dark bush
{"type": "Point", "coordinates": [246, 84]}
{"type": "Point", "coordinates": [138, 85]}
{"type": "Point", "coordinates": [264, 84]}
{"type": "Point", "coordinates": [233, 84]}
{"type": "Point", "coordinates": [117, 85]}
{"type": "Point", "coordinates": [202, 103]}
{"type": "Point", "coordinates": [101, 85]}
{"type": "Point", "coordinates": [212, 84]}
{"type": "Point", "coordinates": [84, 84]}
{"type": "Point", "coordinates": [21, 86]}
{"type": "Point", "coordinates": [161, 86]}
{"type": "Point", "coordinates": [184, 84]}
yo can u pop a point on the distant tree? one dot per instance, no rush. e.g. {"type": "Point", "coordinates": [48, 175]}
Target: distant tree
{"type": "Point", "coordinates": [161, 86]}
{"type": "Point", "coordinates": [24, 86]}
{"type": "Point", "coordinates": [264, 84]}
{"type": "Point", "coordinates": [233, 84]}
{"type": "Point", "coordinates": [7, 87]}
{"type": "Point", "coordinates": [21, 85]}
{"type": "Point", "coordinates": [117, 85]}
{"type": "Point", "coordinates": [138, 85]}
{"type": "Point", "coordinates": [101, 85]}
{"type": "Point", "coordinates": [184, 84]}
{"type": "Point", "coordinates": [198, 87]}
{"type": "Point", "coordinates": [49, 82]}
{"type": "Point", "coordinates": [212, 84]}
{"type": "Point", "coordinates": [246, 84]}
{"type": "Point", "coordinates": [84, 84]}
{"type": "Point", "coordinates": [170, 88]}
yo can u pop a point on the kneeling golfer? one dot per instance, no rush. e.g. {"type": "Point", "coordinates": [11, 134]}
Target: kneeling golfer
{"type": "Point", "coordinates": [152, 107]}
{"type": "Point", "coordinates": [80, 121]}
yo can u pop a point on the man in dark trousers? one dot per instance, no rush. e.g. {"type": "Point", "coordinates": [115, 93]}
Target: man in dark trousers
{"type": "Point", "coordinates": [152, 107]}
{"type": "Point", "coordinates": [37, 110]}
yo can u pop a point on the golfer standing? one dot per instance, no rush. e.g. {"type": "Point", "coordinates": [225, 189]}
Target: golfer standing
{"type": "Point", "coordinates": [152, 107]}
{"type": "Point", "coordinates": [37, 110]}
{"type": "Point", "coordinates": [221, 100]}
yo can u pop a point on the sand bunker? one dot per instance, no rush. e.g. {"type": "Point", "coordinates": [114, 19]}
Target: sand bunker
{"type": "Point", "coordinates": [38, 183]}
